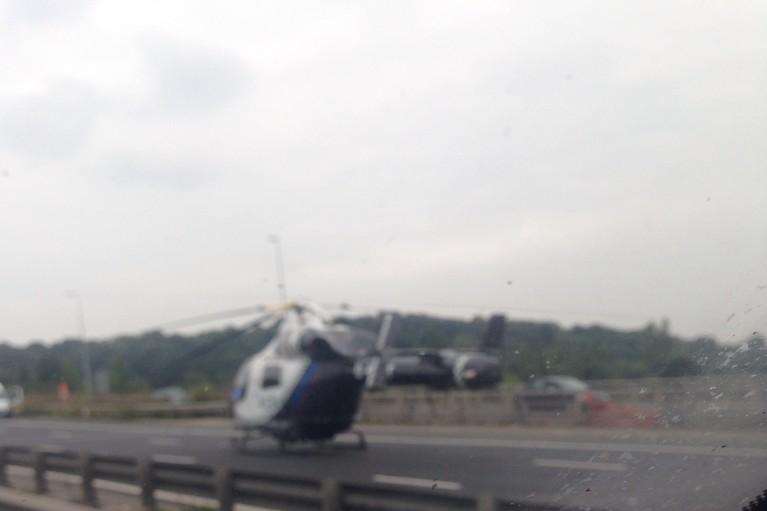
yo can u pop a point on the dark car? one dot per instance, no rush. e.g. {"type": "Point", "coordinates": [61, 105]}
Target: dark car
{"type": "Point", "coordinates": [562, 384]}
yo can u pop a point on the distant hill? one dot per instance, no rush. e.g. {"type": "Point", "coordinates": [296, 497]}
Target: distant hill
{"type": "Point", "coordinates": [154, 359]}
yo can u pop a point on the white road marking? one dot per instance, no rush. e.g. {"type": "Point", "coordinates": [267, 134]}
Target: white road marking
{"type": "Point", "coordinates": [172, 458]}
{"type": "Point", "coordinates": [165, 442]}
{"type": "Point", "coordinates": [579, 465]}
{"type": "Point", "coordinates": [433, 484]}
{"type": "Point", "coordinates": [50, 448]}
{"type": "Point", "coordinates": [61, 435]}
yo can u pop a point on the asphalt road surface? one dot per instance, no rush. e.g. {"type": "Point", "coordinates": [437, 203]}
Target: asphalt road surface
{"type": "Point", "coordinates": [602, 469]}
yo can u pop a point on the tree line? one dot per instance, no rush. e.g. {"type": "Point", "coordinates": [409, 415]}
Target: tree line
{"type": "Point", "coordinates": [150, 360]}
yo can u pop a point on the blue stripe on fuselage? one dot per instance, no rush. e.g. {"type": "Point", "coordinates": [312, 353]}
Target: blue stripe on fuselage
{"type": "Point", "coordinates": [300, 390]}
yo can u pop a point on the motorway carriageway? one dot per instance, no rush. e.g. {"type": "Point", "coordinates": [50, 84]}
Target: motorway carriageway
{"type": "Point", "coordinates": [606, 469]}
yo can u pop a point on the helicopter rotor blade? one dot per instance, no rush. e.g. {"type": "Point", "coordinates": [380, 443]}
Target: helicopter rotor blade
{"type": "Point", "coordinates": [208, 347]}
{"type": "Point", "coordinates": [267, 320]}
{"type": "Point", "coordinates": [210, 317]}
{"type": "Point", "coordinates": [383, 333]}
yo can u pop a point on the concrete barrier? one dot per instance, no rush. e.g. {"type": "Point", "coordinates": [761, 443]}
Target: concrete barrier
{"type": "Point", "coordinates": [422, 406]}
{"type": "Point", "coordinates": [700, 402]}
{"type": "Point", "coordinates": [125, 409]}
{"type": "Point", "coordinates": [703, 402]}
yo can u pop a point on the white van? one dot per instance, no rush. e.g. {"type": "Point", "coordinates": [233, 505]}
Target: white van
{"type": "Point", "coordinates": [10, 399]}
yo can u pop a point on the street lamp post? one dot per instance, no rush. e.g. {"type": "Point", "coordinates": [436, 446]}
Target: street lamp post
{"type": "Point", "coordinates": [85, 348]}
{"type": "Point", "coordinates": [275, 240]}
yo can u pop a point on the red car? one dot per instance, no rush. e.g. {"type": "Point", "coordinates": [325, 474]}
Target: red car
{"type": "Point", "coordinates": [568, 397]}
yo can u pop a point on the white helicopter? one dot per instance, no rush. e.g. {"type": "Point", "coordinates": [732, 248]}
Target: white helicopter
{"type": "Point", "coordinates": [306, 384]}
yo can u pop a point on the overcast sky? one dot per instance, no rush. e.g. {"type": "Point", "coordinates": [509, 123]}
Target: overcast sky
{"type": "Point", "coordinates": [576, 161]}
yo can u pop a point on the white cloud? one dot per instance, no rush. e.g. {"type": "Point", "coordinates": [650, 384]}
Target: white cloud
{"type": "Point", "coordinates": [606, 159]}
{"type": "Point", "coordinates": [187, 78]}
{"type": "Point", "coordinates": [42, 11]}
{"type": "Point", "coordinates": [52, 125]}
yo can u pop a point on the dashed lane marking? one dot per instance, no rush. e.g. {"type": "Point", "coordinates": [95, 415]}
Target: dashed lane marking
{"type": "Point", "coordinates": [61, 435]}
{"type": "Point", "coordinates": [165, 441]}
{"type": "Point", "coordinates": [51, 448]}
{"type": "Point", "coordinates": [433, 484]}
{"type": "Point", "coordinates": [579, 465]}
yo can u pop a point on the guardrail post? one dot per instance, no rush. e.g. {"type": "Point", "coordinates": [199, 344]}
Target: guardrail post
{"type": "Point", "coordinates": [224, 489]}
{"type": "Point", "coordinates": [487, 503]}
{"type": "Point", "coordinates": [330, 495]}
{"type": "Point", "coordinates": [3, 464]}
{"type": "Point", "coordinates": [86, 474]}
{"type": "Point", "coordinates": [146, 483]}
{"type": "Point", "coordinates": [38, 464]}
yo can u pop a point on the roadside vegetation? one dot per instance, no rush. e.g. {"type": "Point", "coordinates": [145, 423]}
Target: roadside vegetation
{"type": "Point", "coordinates": [204, 363]}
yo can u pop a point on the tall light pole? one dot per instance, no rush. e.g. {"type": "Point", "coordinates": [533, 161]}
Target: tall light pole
{"type": "Point", "coordinates": [275, 240]}
{"type": "Point", "coordinates": [85, 353]}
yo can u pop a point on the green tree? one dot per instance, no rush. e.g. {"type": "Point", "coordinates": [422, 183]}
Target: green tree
{"type": "Point", "coordinates": [681, 366]}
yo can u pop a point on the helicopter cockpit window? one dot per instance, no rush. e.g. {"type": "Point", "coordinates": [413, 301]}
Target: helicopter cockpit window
{"type": "Point", "coordinates": [320, 350]}
{"type": "Point", "coordinates": [271, 378]}
{"type": "Point", "coordinates": [240, 387]}
{"type": "Point", "coordinates": [336, 342]}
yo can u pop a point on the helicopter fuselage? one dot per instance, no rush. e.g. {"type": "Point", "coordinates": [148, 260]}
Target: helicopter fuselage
{"type": "Point", "coordinates": [309, 394]}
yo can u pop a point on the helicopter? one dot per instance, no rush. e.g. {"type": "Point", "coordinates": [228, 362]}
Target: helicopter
{"type": "Point", "coordinates": [449, 368]}
{"type": "Point", "coordinates": [306, 384]}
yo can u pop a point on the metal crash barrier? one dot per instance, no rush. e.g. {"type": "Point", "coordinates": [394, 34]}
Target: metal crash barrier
{"type": "Point", "coordinates": [223, 487]}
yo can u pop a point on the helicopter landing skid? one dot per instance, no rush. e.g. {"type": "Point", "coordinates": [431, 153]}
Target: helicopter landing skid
{"type": "Point", "coordinates": [325, 445]}
{"type": "Point", "coordinates": [362, 443]}
{"type": "Point", "coordinates": [240, 443]}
